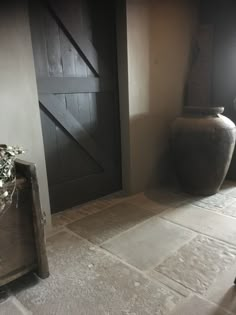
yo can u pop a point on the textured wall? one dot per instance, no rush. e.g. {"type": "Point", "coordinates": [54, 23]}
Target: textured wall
{"type": "Point", "coordinates": [19, 117]}
{"type": "Point", "coordinates": [159, 35]}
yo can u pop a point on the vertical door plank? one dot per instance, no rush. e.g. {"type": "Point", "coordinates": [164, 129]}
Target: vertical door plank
{"type": "Point", "coordinates": [67, 56]}
{"type": "Point", "coordinates": [66, 12]}
{"type": "Point", "coordinates": [53, 46]}
{"type": "Point", "coordinates": [38, 39]}
{"type": "Point", "coordinates": [51, 148]}
{"type": "Point", "coordinates": [87, 25]}
{"type": "Point", "coordinates": [53, 49]}
{"type": "Point", "coordinates": [68, 65]}
{"type": "Point", "coordinates": [83, 110]}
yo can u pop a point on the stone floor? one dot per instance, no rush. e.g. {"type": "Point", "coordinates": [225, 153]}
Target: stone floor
{"type": "Point", "coordinates": [160, 252]}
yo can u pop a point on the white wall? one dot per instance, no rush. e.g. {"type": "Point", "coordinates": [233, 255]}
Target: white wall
{"type": "Point", "coordinates": [159, 37]}
{"type": "Point", "coordinates": [19, 115]}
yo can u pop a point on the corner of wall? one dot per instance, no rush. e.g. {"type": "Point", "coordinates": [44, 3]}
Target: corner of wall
{"type": "Point", "coordinates": [159, 36]}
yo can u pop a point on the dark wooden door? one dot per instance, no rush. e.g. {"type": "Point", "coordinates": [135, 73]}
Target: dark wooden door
{"type": "Point", "coordinates": [75, 60]}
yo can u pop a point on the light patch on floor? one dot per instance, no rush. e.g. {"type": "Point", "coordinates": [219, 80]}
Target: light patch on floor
{"type": "Point", "coordinates": [141, 246]}
{"type": "Point", "coordinates": [12, 306]}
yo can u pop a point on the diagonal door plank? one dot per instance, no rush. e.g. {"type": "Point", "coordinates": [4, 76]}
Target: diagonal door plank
{"type": "Point", "coordinates": [63, 12]}
{"type": "Point", "coordinates": [75, 129]}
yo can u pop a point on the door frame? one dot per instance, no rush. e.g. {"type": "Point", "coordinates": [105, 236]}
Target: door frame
{"type": "Point", "coordinates": [123, 92]}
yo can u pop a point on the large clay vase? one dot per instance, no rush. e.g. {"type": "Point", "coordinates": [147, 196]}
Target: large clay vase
{"type": "Point", "coordinates": [203, 142]}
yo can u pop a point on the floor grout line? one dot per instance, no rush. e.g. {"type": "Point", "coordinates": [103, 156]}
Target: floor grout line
{"type": "Point", "coordinates": [154, 214]}
{"type": "Point", "coordinates": [201, 233]}
{"type": "Point", "coordinates": [213, 211]}
{"type": "Point", "coordinates": [179, 283]}
{"type": "Point", "coordinates": [128, 230]}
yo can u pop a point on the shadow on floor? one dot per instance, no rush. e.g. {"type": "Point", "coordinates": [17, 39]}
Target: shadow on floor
{"type": "Point", "coordinates": [25, 282]}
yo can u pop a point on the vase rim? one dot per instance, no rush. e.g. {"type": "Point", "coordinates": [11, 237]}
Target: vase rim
{"type": "Point", "coordinates": [200, 110]}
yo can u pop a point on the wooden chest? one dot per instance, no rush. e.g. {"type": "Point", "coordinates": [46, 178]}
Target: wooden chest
{"type": "Point", "coordinates": [22, 245]}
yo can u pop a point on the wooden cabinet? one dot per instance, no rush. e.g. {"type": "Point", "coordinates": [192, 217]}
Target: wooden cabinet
{"type": "Point", "coordinates": [22, 244]}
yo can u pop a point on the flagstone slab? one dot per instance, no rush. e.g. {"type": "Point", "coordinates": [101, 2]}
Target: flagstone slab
{"type": "Point", "coordinates": [105, 224]}
{"type": "Point", "coordinates": [217, 201]}
{"type": "Point", "coordinates": [203, 221]}
{"type": "Point", "coordinates": [197, 264]}
{"type": "Point", "coordinates": [149, 243]}
{"type": "Point", "coordinates": [86, 280]}
{"type": "Point", "coordinates": [223, 290]}
{"type": "Point", "coordinates": [198, 306]}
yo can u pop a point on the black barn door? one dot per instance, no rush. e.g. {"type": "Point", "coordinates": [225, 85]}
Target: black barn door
{"type": "Point", "coordinates": [74, 48]}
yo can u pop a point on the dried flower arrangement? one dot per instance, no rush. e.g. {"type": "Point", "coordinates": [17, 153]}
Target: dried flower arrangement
{"type": "Point", "coordinates": [8, 155]}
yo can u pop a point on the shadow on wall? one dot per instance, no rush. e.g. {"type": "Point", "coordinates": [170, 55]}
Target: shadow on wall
{"type": "Point", "coordinates": [224, 59]}
{"type": "Point", "coordinates": [159, 41]}
{"type": "Point", "coordinates": [150, 150]}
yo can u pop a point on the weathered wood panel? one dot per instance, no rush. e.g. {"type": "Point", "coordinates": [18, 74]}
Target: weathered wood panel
{"type": "Point", "coordinates": [74, 128]}
{"type": "Point", "coordinates": [77, 92]}
{"type": "Point", "coordinates": [72, 85]}
{"type": "Point", "coordinates": [17, 234]}
{"type": "Point", "coordinates": [64, 12]}
{"type": "Point", "coordinates": [21, 230]}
